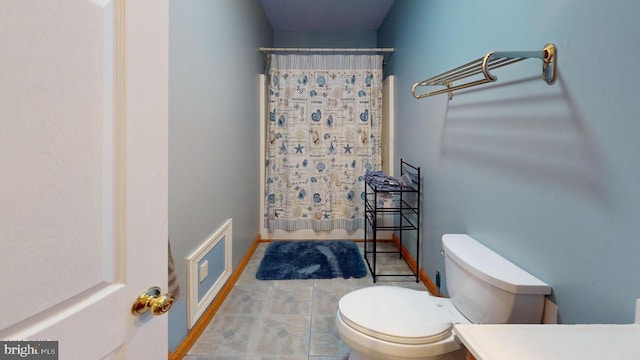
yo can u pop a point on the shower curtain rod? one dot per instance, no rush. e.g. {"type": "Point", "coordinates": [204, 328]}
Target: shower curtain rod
{"type": "Point", "coordinates": [387, 52]}
{"type": "Point", "coordinates": [377, 50]}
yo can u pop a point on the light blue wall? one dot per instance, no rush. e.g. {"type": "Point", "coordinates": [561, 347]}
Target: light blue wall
{"type": "Point", "coordinates": [548, 176]}
{"type": "Point", "coordinates": [325, 39]}
{"type": "Point", "coordinates": [213, 128]}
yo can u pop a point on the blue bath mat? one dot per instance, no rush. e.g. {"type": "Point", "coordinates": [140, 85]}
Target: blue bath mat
{"type": "Point", "coordinates": [319, 259]}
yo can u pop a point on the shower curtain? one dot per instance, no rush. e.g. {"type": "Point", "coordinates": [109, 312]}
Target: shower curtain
{"type": "Point", "coordinates": [323, 134]}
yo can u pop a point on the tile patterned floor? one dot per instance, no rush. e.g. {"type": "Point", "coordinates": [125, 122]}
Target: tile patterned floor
{"type": "Point", "coordinates": [288, 320]}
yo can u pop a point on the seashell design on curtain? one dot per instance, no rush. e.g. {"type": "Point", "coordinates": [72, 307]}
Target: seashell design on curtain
{"type": "Point", "coordinates": [324, 134]}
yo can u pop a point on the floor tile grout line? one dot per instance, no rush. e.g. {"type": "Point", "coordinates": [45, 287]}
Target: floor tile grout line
{"type": "Point", "coordinates": [313, 299]}
{"type": "Point", "coordinates": [262, 313]}
{"type": "Point", "coordinates": [260, 322]}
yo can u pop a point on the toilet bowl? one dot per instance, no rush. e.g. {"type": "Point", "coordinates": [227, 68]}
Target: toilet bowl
{"type": "Point", "coordinates": [413, 324]}
{"type": "Point", "coordinates": [387, 322]}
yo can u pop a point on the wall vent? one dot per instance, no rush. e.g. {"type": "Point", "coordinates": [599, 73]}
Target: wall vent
{"type": "Point", "coordinates": [216, 252]}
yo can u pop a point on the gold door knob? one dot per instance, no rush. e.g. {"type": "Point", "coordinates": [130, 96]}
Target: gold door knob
{"type": "Point", "coordinates": [152, 300]}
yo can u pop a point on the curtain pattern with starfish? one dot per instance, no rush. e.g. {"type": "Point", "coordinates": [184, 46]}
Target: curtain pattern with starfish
{"type": "Point", "coordinates": [323, 134]}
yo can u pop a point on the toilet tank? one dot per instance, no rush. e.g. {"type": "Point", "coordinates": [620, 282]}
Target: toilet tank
{"type": "Point", "coordinates": [487, 288]}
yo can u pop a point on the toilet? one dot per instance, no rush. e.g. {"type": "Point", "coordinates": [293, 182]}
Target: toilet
{"type": "Point", "coordinates": [388, 322]}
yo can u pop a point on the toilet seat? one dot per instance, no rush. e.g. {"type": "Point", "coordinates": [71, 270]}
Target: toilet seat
{"type": "Point", "coordinates": [398, 315]}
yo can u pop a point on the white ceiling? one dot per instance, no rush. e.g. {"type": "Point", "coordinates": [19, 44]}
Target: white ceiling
{"type": "Point", "coordinates": [326, 15]}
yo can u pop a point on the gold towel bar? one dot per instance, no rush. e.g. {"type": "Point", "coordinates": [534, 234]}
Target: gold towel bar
{"type": "Point", "coordinates": [492, 60]}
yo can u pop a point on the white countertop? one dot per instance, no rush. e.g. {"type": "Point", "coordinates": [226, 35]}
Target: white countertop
{"type": "Point", "coordinates": [551, 342]}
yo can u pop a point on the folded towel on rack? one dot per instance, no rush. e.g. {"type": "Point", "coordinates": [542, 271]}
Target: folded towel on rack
{"type": "Point", "coordinates": [381, 181]}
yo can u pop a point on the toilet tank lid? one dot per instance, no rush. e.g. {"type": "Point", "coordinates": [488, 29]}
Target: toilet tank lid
{"type": "Point", "coordinates": [490, 266]}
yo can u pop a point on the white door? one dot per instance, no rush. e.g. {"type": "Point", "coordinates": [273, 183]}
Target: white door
{"type": "Point", "coordinates": [83, 174]}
